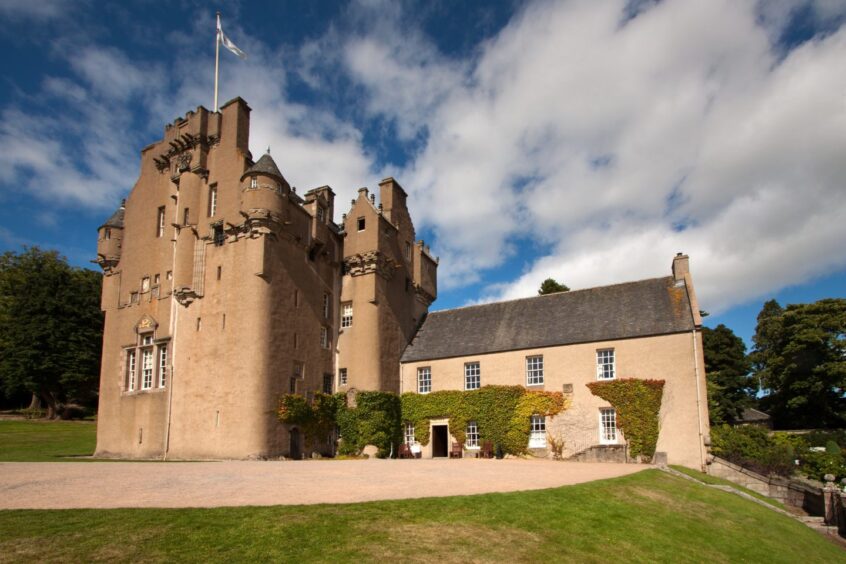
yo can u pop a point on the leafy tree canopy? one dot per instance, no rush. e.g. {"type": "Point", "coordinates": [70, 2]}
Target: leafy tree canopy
{"type": "Point", "coordinates": [51, 328]}
{"type": "Point", "coordinates": [552, 286]}
{"type": "Point", "coordinates": [730, 387]}
{"type": "Point", "coordinates": [800, 358]}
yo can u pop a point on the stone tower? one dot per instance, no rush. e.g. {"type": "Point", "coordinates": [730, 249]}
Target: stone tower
{"type": "Point", "coordinates": [389, 281]}
{"type": "Point", "coordinates": [219, 292]}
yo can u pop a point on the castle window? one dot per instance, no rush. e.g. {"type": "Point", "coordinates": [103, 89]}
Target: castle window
{"type": "Point", "coordinates": [145, 284]}
{"type": "Point", "coordinates": [361, 224]}
{"type": "Point", "coordinates": [537, 436]}
{"type": "Point", "coordinates": [321, 214]}
{"type": "Point", "coordinates": [325, 306]}
{"type": "Point", "coordinates": [347, 316]}
{"type": "Point", "coordinates": [212, 200]}
{"type": "Point", "coordinates": [424, 380]}
{"type": "Point", "coordinates": [146, 368]}
{"type": "Point", "coordinates": [160, 222]}
{"type": "Point", "coordinates": [292, 386]}
{"type": "Point", "coordinates": [185, 216]}
{"type": "Point", "coordinates": [407, 250]}
{"type": "Point", "coordinates": [218, 235]}
{"type": "Point", "coordinates": [147, 340]}
{"type": "Point", "coordinates": [133, 298]}
{"type": "Point", "coordinates": [107, 233]}
{"type": "Point", "coordinates": [253, 182]}
{"type": "Point", "coordinates": [534, 370]}
{"type": "Point", "coordinates": [409, 434]}
{"type": "Point", "coordinates": [605, 364]}
{"type": "Point", "coordinates": [327, 383]}
{"type": "Point", "coordinates": [169, 275]}
{"type": "Point", "coordinates": [472, 376]}
{"type": "Point", "coordinates": [199, 323]}
{"type": "Point", "coordinates": [324, 337]}
{"type": "Point", "coordinates": [162, 365]}
{"type": "Point", "coordinates": [130, 370]}
{"type": "Point", "coordinates": [219, 272]}
{"type": "Point", "coordinates": [607, 426]}
{"type": "Point", "coordinates": [472, 435]}
{"type": "Point", "coordinates": [157, 279]}
{"type": "Point", "coordinates": [342, 377]}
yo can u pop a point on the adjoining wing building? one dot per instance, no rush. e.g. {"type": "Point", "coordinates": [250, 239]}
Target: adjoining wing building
{"type": "Point", "coordinates": [224, 289]}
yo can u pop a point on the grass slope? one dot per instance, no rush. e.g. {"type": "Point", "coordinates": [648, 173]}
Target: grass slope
{"type": "Point", "coordinates": [645, 517]}
{"type": "Point", "coordinates": [46, 441]}
{"type": "Point", "coordinates": [713, 480]}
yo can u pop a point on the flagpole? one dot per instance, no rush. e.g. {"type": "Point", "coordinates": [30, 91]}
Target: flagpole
{"type": "Point", "coordinates": [216, 59]}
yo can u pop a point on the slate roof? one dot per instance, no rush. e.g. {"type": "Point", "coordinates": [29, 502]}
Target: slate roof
{"type": "Point", "coordinates": [751, 415]}
{"type": "Point", "coordinates": [633, 309]}
{"type": "Point", "coordinates": [116, 219]}
{"type": "Point", "coordinates": [265, 165]}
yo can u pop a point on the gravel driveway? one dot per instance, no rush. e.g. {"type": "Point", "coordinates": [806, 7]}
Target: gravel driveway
{"type": "Point", "coordinates": [60, 485]}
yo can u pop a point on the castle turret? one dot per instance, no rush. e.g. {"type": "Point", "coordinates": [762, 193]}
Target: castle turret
{"type": "Point", "coordinates": [264, 187]}
{"type": "Point", "coordinates": [110, 238]}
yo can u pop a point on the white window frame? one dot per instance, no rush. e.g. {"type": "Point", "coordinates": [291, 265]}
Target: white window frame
{"type": "Point", "coordinates": [160, 224]}
{"type": "Point", "coordinates": [609, 434]}
{"type": "Point", "coordinates": [347, 316]}
{"type": "Point", "coordinates": [147, 368]}
{"type": "Point", "coordinates": [162, 365]}
{"type": "Point", "coordinates": [342, 377]}
{"type": "Point", "coordinates": [409, 434]}
{"type": "Point", "coordinates": [472, 375]}
{"type": "Point", "coordinates": [131, 368]}
{"type": "Point", "coordinates": [606, 370]}
{"type": "Point", "coordinates": [212, 200]}
{"type": "Point", "coordinates": [424, 379]}
{"type": "Point", "coordinates": [537, 431]}
{"type": "Point", "coordinates": [534, 370]}
{"type": "Point", "coordinates": [472, 435]}
{"type": "Point", "coordinates": [253, 182]}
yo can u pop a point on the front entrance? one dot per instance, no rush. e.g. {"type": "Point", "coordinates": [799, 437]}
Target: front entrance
{"type": "Point", "coordinates": [440, 441]}
{"type": "Point", "coordinates": [296, 449]}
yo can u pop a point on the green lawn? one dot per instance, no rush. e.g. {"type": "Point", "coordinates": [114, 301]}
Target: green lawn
{"type": "Point", "coordinates": [708, 479]}
{"type": "Point", "coordinates": [46, 441]}
{"type": "Point", "coordinates": [645, 517]}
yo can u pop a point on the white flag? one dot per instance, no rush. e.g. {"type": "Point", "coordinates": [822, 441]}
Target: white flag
{"type": "Point", "coordinates": [228, 42]}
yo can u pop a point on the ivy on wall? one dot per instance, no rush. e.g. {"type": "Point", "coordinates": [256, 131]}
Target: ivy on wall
{"type": "Point", "coordinates": [502, 413]}
{"type": "Point", "coordinates": [374, 421]}
{"type": "Point", "coordinates": [637, 403]}
{"type": "Point", "coordinates": [316, 419]}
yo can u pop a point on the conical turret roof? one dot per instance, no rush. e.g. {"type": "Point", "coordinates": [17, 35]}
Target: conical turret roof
{"type": "Point", "coordinates": [267, 166]}
{"type": "Point", "coordinates": [116, 219]}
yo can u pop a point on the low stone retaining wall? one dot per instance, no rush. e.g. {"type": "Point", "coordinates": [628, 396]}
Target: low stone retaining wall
{"type": "Point", "coordinates": [794, 492]}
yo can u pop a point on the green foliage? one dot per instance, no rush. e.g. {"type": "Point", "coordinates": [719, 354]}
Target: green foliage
{"type": "Point", "coordinates": [818, 452]}
{"type": "Point", "coordinates": [637, 403]}
{"type": "Point", "coordinates": [374, 421]}
{"type": "Point", "coordinates": [800, 357]}
{"type": "Point", "coordinates": [316, 419]}
{"type": "Point", "coordinates": [753, 447]}
{"type": "Point", "coordinates": [730, 387]}
{"type": "Point", "coordinates": [552, 286]}
{"type": "Point", "coordinates": [502, 413]}
{"type": "Point", "coordinates": [47, 441]}
{"type": "Point", "coordinates": [51, 328]}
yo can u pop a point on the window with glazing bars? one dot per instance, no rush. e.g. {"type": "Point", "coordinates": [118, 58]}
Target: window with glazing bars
{"type": "Point", "coordinates": [162, 366]}
{"type": "Point", "coordinates": [605, 364]}
{"type": "Point", "coordinates": [342, 376]}
{"type": "Point", "coordinates": [130, 370]}
{"type": "Point", "coordinates": [146, 369]}
{"type": "Point", "coordinates": [472, 376]}
{"type": "Point", "coordinates": [534, 370]}
{"type": "Point", "coordinates": [409, 434]}
{"type": "Point", "coordinates": [607, 426]}
{"type": "Point", "coordinates": [472, 435]}
{"type": "Point", "coordinates": [347, 316]}
{"type": "Point", "coordinates": [424, 380]}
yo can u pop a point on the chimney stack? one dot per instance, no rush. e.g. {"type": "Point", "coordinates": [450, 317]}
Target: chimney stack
{"type": "Point", "coordinates": [681, 266]}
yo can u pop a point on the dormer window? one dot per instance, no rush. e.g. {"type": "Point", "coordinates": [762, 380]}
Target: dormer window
{"type": "Point", "coordinates": [107, 233]}
{"type": "Point", "coordinates": [361, 224]}
{"type": "Point", "coordinates": [253, 182]}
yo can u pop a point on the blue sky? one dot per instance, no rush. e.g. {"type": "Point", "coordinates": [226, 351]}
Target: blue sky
{"type": "Point", "coordinates": [587, 141]}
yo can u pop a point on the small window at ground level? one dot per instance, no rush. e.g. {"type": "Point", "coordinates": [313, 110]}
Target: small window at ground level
{"type": "Point", "coordinates": [409, 434]}
{"type": "Point", "coordinates": [327, 383]}
{"type": "Point", "coordinates": [342, 377]}
{"type": "Point", "coordinates": [472, 435]}
{"type": "Point", "coordinates": [537, 435]}
{"type": "Point", "coordinates": [607, 426]}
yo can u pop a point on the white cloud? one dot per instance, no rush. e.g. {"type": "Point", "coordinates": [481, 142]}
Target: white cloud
{"type": "Point", "coordinates": [39, 10]}
{"type": "Point", "coordinates": [620, 142]}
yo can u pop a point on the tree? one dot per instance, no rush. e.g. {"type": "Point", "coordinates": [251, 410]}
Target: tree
{"type": "Point", "coordinates": [51, 328]}
{"type": "Point", "coordinates": [800, 357]}
{"type": "Point", "coordinates": [730, 388]}
{"type": "Point", "coordinates": [551, 286]}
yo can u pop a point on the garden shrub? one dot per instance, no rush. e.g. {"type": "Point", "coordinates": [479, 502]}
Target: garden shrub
{"type": "Point", "coordinates": [316, 419]}
{"type": "Point", "coordinates": [637, 403]}
{"type": "Point", "coordinates": [752, 447]}
{"type": "Point", "coordinates": [374, 421]}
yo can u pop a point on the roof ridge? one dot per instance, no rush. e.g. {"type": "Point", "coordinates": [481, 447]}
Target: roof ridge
{"type": "Point", "coordinates": [569, 292]}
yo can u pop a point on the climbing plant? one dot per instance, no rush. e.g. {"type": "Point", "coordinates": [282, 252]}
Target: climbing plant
{"type": "Point", "coordinates": [315, 418]}
{"type": "Point", "coordinates": [637, 403]}
{"type": "Point", "coordinates": [375, 420]}
{"type": "Point", "coordinates": [502, 413]}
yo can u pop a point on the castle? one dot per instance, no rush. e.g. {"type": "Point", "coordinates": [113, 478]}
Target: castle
{"type": "Point", "coordinates": [223, 289]}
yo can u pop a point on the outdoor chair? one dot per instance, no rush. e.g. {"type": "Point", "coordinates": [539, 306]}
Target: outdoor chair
{"type": "Point", "coordinates": [405, 451]}
{"type": "Point", "coordinates": [457, 450]}
{"type": "Point", "coordinates": [486, 451]}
